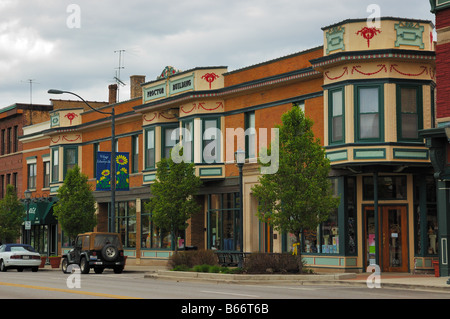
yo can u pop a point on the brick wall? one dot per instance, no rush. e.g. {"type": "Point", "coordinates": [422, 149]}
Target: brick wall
{"type": "Point", "coordinates": [443, 66]}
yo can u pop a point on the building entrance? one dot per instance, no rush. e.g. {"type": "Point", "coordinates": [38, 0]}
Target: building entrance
{"type": "Point", "coordinates": [390, 248]}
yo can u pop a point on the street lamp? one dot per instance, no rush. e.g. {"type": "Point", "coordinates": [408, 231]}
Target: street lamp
{"type": "Point", "coordinates": [239, 156]}
{"type": "Point", "coordinates": [113, 153]}
{"type": "Point", "coordinates": [27, 194]}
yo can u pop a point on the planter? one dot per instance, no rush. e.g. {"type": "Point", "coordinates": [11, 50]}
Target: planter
{"type": "Point", "coordinates": [54, 261]}
{"type": "Point", "coordinates": [43, 260]}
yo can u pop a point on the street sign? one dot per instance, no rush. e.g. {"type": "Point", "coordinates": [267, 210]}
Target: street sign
{"type": "Point", "coordinates": [27, 225]}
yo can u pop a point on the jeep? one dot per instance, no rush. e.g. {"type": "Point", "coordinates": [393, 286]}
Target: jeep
{"type": "Point", "coordinates": [95, 250]}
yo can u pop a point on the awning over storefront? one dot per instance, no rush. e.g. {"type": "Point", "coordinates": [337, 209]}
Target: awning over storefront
{"type": "Point", "coordinates": [40, 212]}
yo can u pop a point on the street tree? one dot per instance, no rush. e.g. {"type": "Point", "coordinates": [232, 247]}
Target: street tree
{"type": "Point", "coordinates": [75, 209]}
{"type": "Point", "coordinates": [173, 196]}
{"type": "Point", "coordinates": [11, 216]}
{"type": "Point", "coordinates": [299, 195]}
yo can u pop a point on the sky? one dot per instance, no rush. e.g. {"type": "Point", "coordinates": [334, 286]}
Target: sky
{"type": "Point", "coordinates": [81, 45]}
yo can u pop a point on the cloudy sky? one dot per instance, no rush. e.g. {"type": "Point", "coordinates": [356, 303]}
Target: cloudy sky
{"type": "Point", "coordinates": [74, 45]}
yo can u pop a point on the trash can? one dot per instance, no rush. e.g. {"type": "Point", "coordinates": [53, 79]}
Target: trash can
{"type": "Point", "coordinates": [436, 268]}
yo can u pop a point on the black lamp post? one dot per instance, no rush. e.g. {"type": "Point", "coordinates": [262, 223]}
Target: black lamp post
{"type": "Point", "coordinates": [239, 156]}
{"type": "Point", "coordinates": [27, 194]}
{"type": "Point", "coordinates": [113, 153]}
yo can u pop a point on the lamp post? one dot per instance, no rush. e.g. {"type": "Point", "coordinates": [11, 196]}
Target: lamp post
{"type": "Point", "coordinates": [239, 156]}
{"type": "Point", "coordinates": [113, 153]}
{"type": "Point", "coordinates": [27, 194]}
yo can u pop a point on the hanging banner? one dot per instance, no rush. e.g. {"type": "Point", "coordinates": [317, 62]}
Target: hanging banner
{"type": "Point", "coordinates": [104, 171]}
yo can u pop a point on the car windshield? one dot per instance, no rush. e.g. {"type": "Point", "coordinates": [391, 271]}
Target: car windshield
{"type": "Point", "coordinates": [21, 248]}
{"type": "Point", "coordinates": [101, 240]}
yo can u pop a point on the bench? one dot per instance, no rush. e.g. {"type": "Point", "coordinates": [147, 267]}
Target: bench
{"type": "Point", "coordinates": [231, 258]}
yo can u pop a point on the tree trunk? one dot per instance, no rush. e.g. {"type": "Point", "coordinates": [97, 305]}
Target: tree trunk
{"type": "Point", "coordinates": [299, 251]}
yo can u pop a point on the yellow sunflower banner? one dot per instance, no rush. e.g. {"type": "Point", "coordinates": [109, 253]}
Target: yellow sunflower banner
{"type": "Point", "coordinates": [103, 165]}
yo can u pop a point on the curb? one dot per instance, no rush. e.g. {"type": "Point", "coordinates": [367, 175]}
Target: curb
{"type": "Point", "coordinates": [244, 278]}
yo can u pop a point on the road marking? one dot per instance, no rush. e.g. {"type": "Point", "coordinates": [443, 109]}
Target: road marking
{"type": "Point", "coordinates": [70, 291]}
{"type": "Point", "coordinates": [228, 293]}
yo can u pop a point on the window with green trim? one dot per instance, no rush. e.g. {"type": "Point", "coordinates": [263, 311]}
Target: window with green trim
{"type": "Point", "coordinates": [135, 154]}
{"type": "Point", "coordinates": [250, 135]}
{"type": "Point", "coordinates": [70, 158]}
{"type": "Point", "coordinates": [150, 148]}
{"type": "Point", "coordinates": [336, 116]}
{"type": "Point", "coordinates": [211, 140]}
{"type": "Point", "coordinates": [188, 141]}
{"type": "Point", "coordinates": [31, 176]}
{"type": "Point", "coordinates": [369, 113]}
{"type": "Point", "coordinates": [169, 138]}
{"type": "Point", "coordinates": [409, 112]}
{"type": "Point", "coordinates": [55, 165]}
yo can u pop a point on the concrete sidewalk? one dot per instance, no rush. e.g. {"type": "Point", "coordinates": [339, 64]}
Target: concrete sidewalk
{"type": "Point", "coordinates": [386, 280]}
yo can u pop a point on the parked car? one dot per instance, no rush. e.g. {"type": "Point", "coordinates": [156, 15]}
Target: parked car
{"type": "Point", "coordinates": [95, 250]}
{"type": "Point", "coordinates": [19, 256]}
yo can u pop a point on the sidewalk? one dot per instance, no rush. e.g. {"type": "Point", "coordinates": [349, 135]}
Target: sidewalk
{"type": "Point", "coordinates": [386, 280]}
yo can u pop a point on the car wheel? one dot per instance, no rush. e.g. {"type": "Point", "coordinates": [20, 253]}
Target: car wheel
{"type": "Point", "coordinates": [2, 266]}
{"type": "Point", "coordinates": [64, 265]}
{"type": "Point", "coordinates": [34, 269]}
{"type": "Point", "coordinates": [84, 266]}
{"type": "Point", "coordinates": [110, 252]}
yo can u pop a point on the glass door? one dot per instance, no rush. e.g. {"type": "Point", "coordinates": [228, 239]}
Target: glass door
{"type": "Point", "coordinates": [394, 239]}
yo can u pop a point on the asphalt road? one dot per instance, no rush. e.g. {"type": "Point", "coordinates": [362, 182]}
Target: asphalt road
{"type": "Point", "coordinates": [56, 285]}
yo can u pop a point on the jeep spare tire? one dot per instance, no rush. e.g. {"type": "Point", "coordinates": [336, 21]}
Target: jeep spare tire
{"type": "Point", "coordinates": [110, 252]}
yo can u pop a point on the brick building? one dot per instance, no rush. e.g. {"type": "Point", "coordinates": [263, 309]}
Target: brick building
{"type": "Point", "coordinates": [12, 120]}
{"type": "Point", "coordinates": [438, 137]}
{"type": "Point", "coordinates": [368, 91]}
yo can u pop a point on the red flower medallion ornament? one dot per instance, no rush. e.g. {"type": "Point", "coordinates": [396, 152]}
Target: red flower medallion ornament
{"type": "Point", "coordinates": [368, 33]}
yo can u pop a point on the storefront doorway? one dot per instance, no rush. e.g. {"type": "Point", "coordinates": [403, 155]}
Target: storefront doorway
{"type": "Point", "coordinates": [390, 249]}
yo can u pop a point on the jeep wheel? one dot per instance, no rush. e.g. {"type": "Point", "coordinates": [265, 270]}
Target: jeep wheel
{"type": "Point", "coordinates": [110, 252]}
{"type": "Point", "coordinates": [64, 265]}
{"type": "Point", "coordinates": [84, 266]}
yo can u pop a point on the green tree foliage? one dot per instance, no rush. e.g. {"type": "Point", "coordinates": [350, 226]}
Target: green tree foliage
{"type": "Point", "coordinates": [299, 195]}
{"type": "Point", "coordinates": [75, 209]}
{"type": "Point", "coordinates": [12, 216]}
{"type": "Point", "coordinates": [173, 202]}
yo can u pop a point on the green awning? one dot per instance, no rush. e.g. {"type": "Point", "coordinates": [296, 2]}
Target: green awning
{"type": "Point", "coordinates": [40, 213]}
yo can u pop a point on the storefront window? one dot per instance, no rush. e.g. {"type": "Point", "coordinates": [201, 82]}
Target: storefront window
{"type": "Point", "coordinates": [223, 221]}
{"type": "Point", "coordinates": [126, 223]}
{"type": "Point", "coordinates": [389, 187]}
{"type": "Point", "coordinates": [351, 215]}
{"type": "Point", "coordinates": [426, 223]}
{"type": "Point", "coordinates": [153, 237]}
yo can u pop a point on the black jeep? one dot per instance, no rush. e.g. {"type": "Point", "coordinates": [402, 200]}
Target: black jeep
{"type": "Point", "coordinates": [95, 250]}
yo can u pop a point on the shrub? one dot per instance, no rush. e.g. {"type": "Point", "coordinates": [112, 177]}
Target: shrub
{"type": "Point", "coordinates": [202, 268]}
{"type": "Point", "coordinates": [214, 269]}
{"type": "Point", "coordinates": [260, 263]}
{"type": "Point", "coordinates": [192, 258]}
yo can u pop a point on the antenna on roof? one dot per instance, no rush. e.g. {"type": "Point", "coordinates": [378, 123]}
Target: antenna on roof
{"type": "Point", "coordinates": [31, 81]}
{"type": "Point", "coordinates": [117, 77]}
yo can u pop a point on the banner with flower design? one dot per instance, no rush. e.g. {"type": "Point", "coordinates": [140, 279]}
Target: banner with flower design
{"type": "Point", "coordinates": [104, 171]}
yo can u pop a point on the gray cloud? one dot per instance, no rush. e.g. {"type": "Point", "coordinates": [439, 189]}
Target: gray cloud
{"type": "Point", "coordinates": [36, 42]}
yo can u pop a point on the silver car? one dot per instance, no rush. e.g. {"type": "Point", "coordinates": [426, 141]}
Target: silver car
{"type": "Point", "coordinates": [19, 256]}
